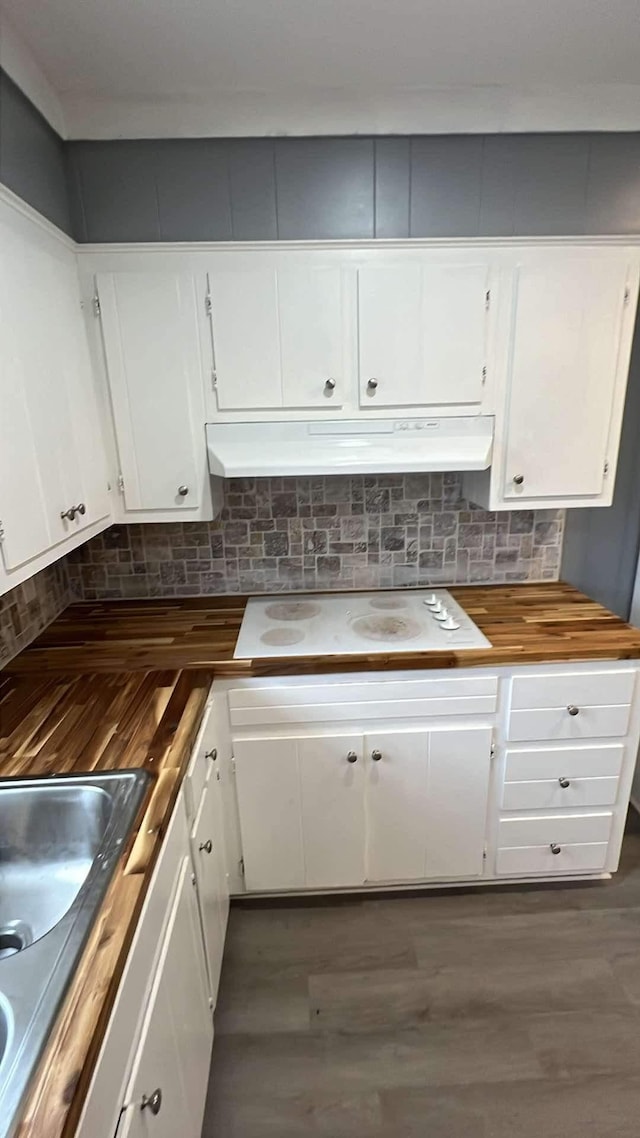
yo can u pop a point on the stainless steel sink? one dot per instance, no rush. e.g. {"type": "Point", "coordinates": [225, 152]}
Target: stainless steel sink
{"type": "Point", "coordinates": [60, 840]}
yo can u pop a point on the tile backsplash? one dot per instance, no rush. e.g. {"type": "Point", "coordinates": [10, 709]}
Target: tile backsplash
{"type": "Point", "coordinates": [30, 607]}
{"type": "Point", "coordinates": [280, 535]}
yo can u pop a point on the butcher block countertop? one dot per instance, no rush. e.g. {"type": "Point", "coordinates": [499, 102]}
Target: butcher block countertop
{"type": "Point", "coordinates": [70, 723]}
{"type": "Point", "coordinates": [123, 684]}
{"type": "Point", "coordinates": [547, 622]}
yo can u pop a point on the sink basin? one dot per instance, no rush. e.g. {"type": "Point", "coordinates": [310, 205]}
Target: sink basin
{"type": "Point", "coordinates": [50, 835]}
{"type": "Point", "coordinates": [60, 841]}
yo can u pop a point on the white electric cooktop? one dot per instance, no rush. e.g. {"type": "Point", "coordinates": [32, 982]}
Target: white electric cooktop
{"type": "Point", "coordinates": [327, 624]}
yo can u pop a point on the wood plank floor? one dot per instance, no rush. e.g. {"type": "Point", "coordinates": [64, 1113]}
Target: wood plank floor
{"type": "Point", "coordinates": [486, 1014]}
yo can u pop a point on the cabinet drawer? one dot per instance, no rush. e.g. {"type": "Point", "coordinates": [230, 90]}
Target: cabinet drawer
{"type": "Point", "coordinates": [343, 699]}
{"type": "Point", "coordinates": [583, 689]}
{"type": "Point", "coordinates": [548, 794]}
{"type": "Point", "coordinates": [555, 828]}
{"type": "Point", "coordinates": [573, 858]}
{"type": "Point", "coordinates": [557, 723]}
{"type": "Point", "coordinates": [568, 762]}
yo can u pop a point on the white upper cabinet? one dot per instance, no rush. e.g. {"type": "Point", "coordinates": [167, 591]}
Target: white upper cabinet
{"type": "Point", "coordinates": [423, 327]}
{"type": "Point", "coordinates": [156, 378]}
{"type": "Point", "coordinates": [558, 430]}
{"type": "Point", "coordinates": [278, 335]}
{"type": "Point", "coordinates": [53, 476]}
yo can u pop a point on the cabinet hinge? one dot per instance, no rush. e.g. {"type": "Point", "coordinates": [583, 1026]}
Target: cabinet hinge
{"type": "Point", "coordinates": [627, 295]}
{"type": "Point", "coordinates": [606, 466]}
{"type": "Point", "coordinates": [214, 378]}
{"type": "Point", "coordinates": [487, 299]}
{"type": "Point", "coordinates": [233, 764]}
{"type": "Point", "coordinates": [493, 749]}
{"type": "Point", "coordinates": [121, 483]}
{"type": "Point", "coordinates": [484, 376]}
{"type": "Point", "coordinates": [484, 853]}
{"type": "Point", "coordinates": [1, 532]}
{"type": "Point", "coordinates": [242, 867]}
{"type": "Point", "coordinates": [211, 1003]}
{"type": "Point", "coordinates": [97, 310]}
{"type": "Point", "coordinates": [208, 306]}
{"type": "Point", "coordinates": [193, 880]}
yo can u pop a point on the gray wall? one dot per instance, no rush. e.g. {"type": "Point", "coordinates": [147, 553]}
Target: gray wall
{"type": "Point", "coordinates": [441, 186]}
{"type": "Point", "coordinates": [32, 156]}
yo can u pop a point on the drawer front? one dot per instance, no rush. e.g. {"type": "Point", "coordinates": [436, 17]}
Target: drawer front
{"type": "Point", "coordinates": [557, 723]}
{"type": "Point", "coordinates": [548, 794]}
{"type": "Point", "coordinates": [568, 762]}
{"type": "Point", "coordinates": [580, 688]}
{"type": "Point", "coordinates": [527, 861]}
{"type": "Point", "coordinates": [381, 699]}
{"type": "Point", "coordinates": [561, 829]}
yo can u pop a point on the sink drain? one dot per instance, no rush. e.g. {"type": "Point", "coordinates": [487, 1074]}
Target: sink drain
{"type": "Point", "coordinates": [13, 938]}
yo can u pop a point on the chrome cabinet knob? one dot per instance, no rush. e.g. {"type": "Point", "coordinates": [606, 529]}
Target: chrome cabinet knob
{"type": "Point", "coordinates": [564, 782]}
{"type": "Point", "coordinates": [372, 386]}
{"type": "Point", "coordinates": [183, 491]}
{"type": "Point", "coordinates": [352, 757]}
{"type": "Point", "coordinates": [153, 1102]}
{"type": "Point", "coordinates": [212, 754]}
{"type": "Point", "coordinates": [573, 710]}
{"type": "Point", "coordinates": [518, 479]}
{"type": "Point", "coordinates": [376, 756]}
{"type": "Point", "coordinates": [329, 386]}
{"type": "Point", "coordinates": [68, 515]}
{"type": "Point", "coordinates": [206, 846]}
{"type": "Point", "coordinates": [555, 849]}
{"type": "Point", "coordinates": [81, 508]}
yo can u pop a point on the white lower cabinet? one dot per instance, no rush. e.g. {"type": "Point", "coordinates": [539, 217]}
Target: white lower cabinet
{"type": "Point", "coordinates": [333, 811]}
{"type": "Point", "coordinates": [207, 848]}
{"type": "Point", "coordinates": [167, 1091]}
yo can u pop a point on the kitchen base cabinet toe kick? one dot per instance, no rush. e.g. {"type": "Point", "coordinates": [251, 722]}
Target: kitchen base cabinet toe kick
{"type": "Point", "coordinates": [386, 780]}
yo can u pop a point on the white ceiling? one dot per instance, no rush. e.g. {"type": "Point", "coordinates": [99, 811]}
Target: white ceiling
{"type": "Point", "coordinates": [157, 67]}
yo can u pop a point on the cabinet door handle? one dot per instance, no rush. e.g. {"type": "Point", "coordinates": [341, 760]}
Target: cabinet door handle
{"type": "Point", "coordinates": [573, 710]}
{"type": "Point", "coordinates": [153, 1102]}
{"type": "Point", "coordinates": [564, 783]}
{"type": "Point", "coordinates": [68, 515]}
{"type": "Point", "coordinates": [372, 386]}
{"type": "Point", "coordinates": [81, 509]}
{"type": "Point", "coordinates": [518, 479]}
{"type": "Point", "coordinates": [352, 757]}
{"type": "Point", "coordinates": [376, 756]}
{"type": "Point", "coordinates": [183, 491]}
{"type": "Point", "coordinates": [555, 849]}
{"type": "Point", "coordinates": [329, 386]}
{"type": "Point", "coordinates": [206, 846]}
{"type": "Point", "coordinates": [212, 754]}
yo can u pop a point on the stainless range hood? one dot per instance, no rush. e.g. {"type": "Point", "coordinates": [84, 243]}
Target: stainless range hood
{"type": "Point", "coordinates": [381, 446]}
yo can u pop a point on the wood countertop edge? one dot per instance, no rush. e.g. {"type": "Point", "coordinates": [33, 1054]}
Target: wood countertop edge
{"type": "Point", "coordinates": [58, 1089]}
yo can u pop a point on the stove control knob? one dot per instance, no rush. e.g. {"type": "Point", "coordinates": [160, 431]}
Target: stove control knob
{"type": "Point", "coordinates": [436, 608]}
{"type": "Point", "coordinates": [430, 600]}
{"type": "Point", "coordinates": [442, 615]}
{"type": "Point", "coordinates": [450, 624]}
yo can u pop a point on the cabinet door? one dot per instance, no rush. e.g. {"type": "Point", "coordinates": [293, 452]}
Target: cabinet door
{"type": "Point", "coordinates": [331, 772]}
{"type": "Point", "coordinates": [177, 1035]}
{"type": "Point", "coordinates": [423, 334]}
{"type": "Point", "coordinates": [278, 337]}
{"type": "Point", "coordinates": [51, 451]}
{"type": "Point", "coordinates": [152, 350]}
{"type": "Point", "coordinates": [459, 774]}
{"type": "Point", "coordinates": [207, 847]}
{"type": "Point", "coordinates": [564, 372]}
{"type": "Point", "coordinates": [427, 797]}
{"type": "Point", "coordinates": [397, 804]}
{"type": "Point", "coordinates": [301, 804]}
{"type": "Point", "coordinates": [311, 337]}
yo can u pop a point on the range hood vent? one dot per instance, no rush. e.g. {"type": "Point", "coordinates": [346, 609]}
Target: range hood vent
{"type": "Point", "coordinates": [381, 446]}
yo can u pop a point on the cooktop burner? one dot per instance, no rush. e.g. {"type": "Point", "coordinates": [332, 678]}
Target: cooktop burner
{"type": "Point", "coordinates": [326, 624]}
